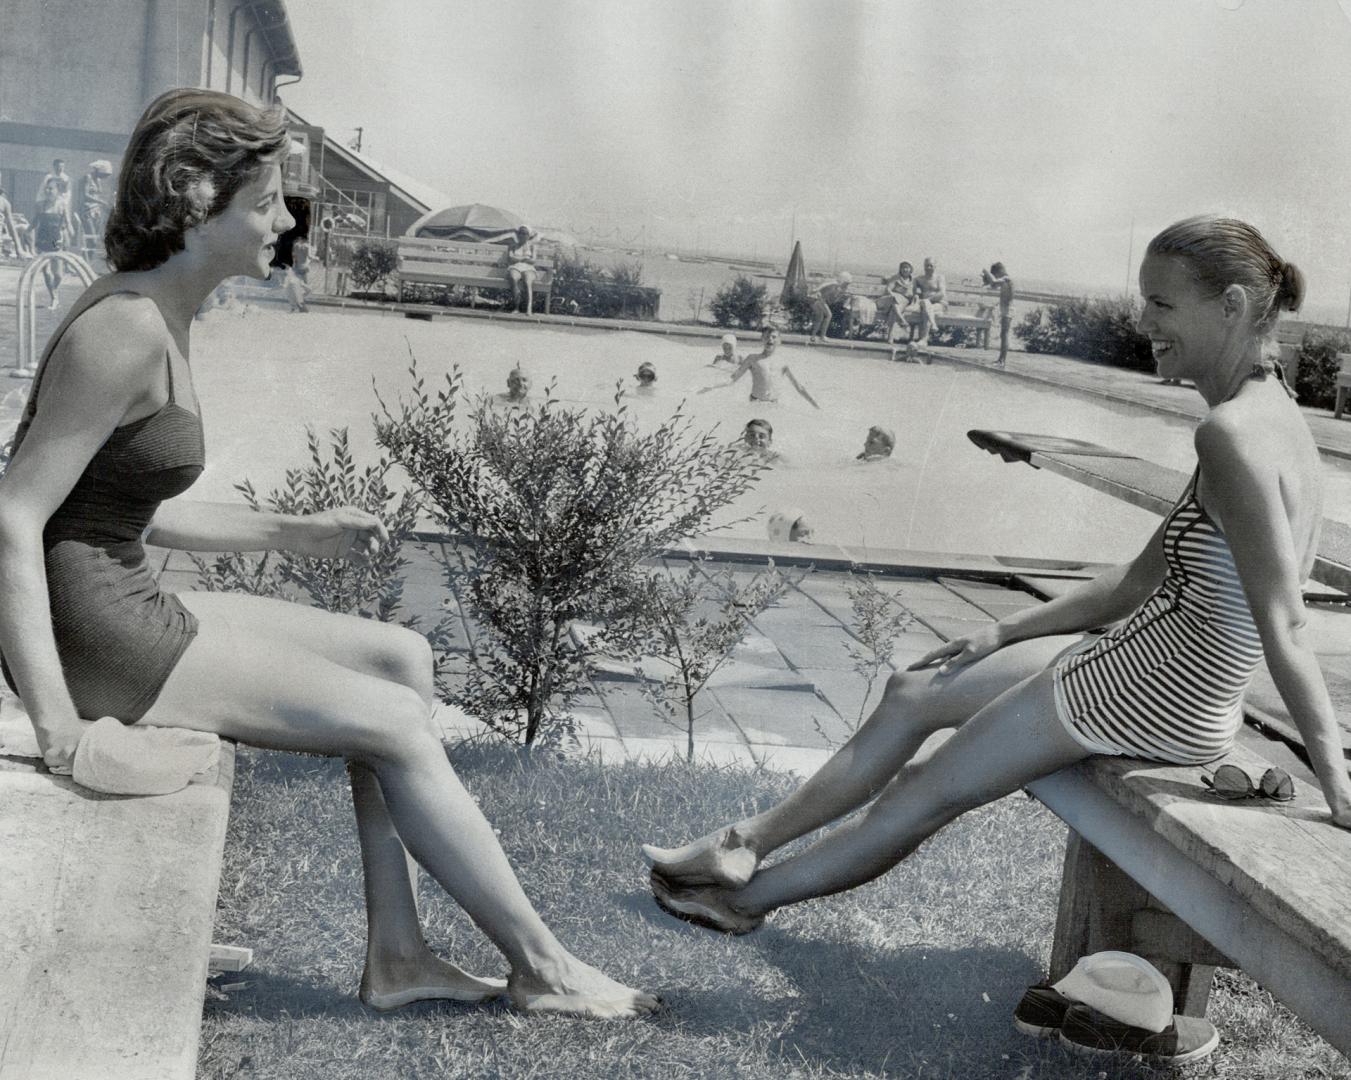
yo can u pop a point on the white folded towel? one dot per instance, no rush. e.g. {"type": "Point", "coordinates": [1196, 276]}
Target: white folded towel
{"type": "Point", "coordinates": [118, 759]}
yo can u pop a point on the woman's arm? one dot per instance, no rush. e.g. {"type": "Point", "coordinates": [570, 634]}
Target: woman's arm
{"type": "Point", "coordinates": [100, 371]}
{"type": "Point", "coordinates": [1242, 492]}
{"type": "Point", "coordinates": [1108, 598]}
{"type": "Point", "coordinates": [342, 533]}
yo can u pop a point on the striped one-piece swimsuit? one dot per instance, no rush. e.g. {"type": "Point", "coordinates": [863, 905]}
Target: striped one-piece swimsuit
{"type": "Point", "coordinates": [1168, 683]}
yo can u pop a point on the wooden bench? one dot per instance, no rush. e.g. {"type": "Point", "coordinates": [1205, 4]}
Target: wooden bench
{"type": "Point", "coordinates": [462, 262]}
{"type": "Point", "coordinates": [108, 909]}
{"type": "Point", "coordinates": [1158, 866]}
{"type": "Point", "coordinates": [981, 324]}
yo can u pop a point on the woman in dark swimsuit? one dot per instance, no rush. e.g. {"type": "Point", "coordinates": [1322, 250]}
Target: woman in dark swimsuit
{"type": "Point", "coordinates": [112, 433]}
{"type": "Point", "coordinates": [51, 232]}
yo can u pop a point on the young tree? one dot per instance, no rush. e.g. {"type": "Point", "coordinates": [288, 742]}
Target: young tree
{"type": "Point", "coordinates": [553, 511]}
{"type": "Point", "coordinates": [696, 619]}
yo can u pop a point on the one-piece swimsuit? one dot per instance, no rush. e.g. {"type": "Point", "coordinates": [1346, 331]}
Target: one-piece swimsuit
{"type": "Point", "coordinates": [1168, 683]}
{"type": "Point", "coordinates": [118, 634]}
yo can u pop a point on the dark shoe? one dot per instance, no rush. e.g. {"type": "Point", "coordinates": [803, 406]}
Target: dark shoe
{"type": "Point", "coordinates": [1187, 1038]}
{"type": "Point", "coordinates": [1041, 1012]}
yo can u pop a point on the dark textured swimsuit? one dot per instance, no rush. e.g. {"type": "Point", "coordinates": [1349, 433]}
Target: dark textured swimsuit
{"type": "Point", "coordinates": [117, 634]}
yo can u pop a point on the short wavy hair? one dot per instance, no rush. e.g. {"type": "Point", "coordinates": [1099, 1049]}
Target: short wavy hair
{"type": "Point", "coordinates": [190, 154]}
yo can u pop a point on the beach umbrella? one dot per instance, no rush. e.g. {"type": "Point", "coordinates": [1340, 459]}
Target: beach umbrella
{"type": "Point", "coordinates": [795, 277]}
{"type": "Point", "coordinates": [471, 221]}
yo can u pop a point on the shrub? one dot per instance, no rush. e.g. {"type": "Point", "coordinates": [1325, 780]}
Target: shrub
{"type": "Point", "coordinates": [330, 479]}
{"type": "Point", "coordinates": [581, 287]}
{"type": "Point", "coordinates": [1316, 376]}
{"type": "Point", "coordinates": [740, 303]}
{"type": "Point", "coordinates": [554, 511]}
{"type": "Point", "coordinates": [373, 261]}
{"type": "Point", "coordinates": [797, 312]}
{"type": "Point", "coordinates": [1099, 329]}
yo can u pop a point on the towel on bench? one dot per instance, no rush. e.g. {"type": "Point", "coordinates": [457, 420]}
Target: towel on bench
{"type": "Point", "coordinates": [120, 760]}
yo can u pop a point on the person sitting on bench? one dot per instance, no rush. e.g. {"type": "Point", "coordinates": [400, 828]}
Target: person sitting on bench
{"type": "Point", "coordinates": [521, 270]}
{"type": "Point", "coordinates": [111, 434]}
{"type": "Point", "coordinates": [1216, 587]}
{"type": "Point", "coordinates": [930, 296]}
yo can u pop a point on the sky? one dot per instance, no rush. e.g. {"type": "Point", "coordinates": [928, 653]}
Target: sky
{"type": "Point", "coordinates": [1054, 135]}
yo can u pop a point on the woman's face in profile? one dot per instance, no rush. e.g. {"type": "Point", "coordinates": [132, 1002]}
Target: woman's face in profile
{"type": "Point", "coordinates": [1185, 326]}
{"type": "Point", "coordinates": [243, 236]}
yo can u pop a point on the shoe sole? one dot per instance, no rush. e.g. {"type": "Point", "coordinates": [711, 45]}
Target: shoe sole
{"type": "Point", "coordinates": [1037, 1031]}
{"type": "Point", "coordinates": [691, 911]}
{"type": "Point", "coordinates": [1200, 1052]}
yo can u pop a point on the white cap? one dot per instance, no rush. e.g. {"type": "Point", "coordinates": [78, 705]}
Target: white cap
{"type": "Point", "coordinates": [781, 522]}
{"type": "Point", "coordinates": [845, 277]}
{"type": "Point", "coordinates": [729, 339]}
{"type": "Point", "coordinates": [1126, 987]}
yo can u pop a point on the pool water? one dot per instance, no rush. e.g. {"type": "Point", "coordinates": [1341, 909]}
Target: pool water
{"type": "Point", "coordinates": [263, 375]}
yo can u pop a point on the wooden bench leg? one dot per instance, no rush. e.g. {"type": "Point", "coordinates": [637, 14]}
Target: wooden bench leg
{"type": "Point", "coordinates": [1341, 401]}
{"type": "Point", "coordinates": [1103, 908]}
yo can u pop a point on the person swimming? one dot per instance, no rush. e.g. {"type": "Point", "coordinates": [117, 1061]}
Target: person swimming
{"type": "Point", "coordinates": [764, 387]}
{"type": "Point", "coordinates": [727, 354]}
{"type": "Point", "coordinates": [646, 378]}
{"type": "Point", "coordinates": [789, 526]}
{"type": "Point", "coordinates": [879, 444]}
{"type": "Point", "coordinates": [758, 435]}
{"type": "Point", "coordinates": [518, 389]}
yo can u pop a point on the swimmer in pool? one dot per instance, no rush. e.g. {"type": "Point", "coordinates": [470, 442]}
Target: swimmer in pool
{"type": "Point", "coordinates": [646, 378]}
{"type": "Point", "coordinates": [758, 435]}
{"type": "Point", "coordinates": [790, 525]}
{"type": "Point", "coordinates": [763, 384]}
{"type": "Point", "coordinates": [728, 353]}
{"type": "Point", "coordinates": [878, 445]}
{"type": "Point", "coordinates": [518, 389]}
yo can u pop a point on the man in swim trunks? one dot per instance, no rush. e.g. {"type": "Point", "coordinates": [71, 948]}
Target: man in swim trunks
{"type": "Point", "coordinates": [930, 295]}
{"type": "Point", "coordinates": [826, 298]}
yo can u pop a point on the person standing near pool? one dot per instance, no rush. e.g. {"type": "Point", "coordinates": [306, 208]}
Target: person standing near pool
{"type": "Point", "coordinates": [110, 436]}
{"type": "Point", "coordinates": [998, 278]}
{"type": "Point", "coordinates": [826, 298]}
{"type": "Point", "coordinates": [1216, 588]}
{"type": "Point", "coordinates": [53, 230]}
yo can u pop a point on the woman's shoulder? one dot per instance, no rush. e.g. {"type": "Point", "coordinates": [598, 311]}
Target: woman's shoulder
{"type": "Point", "coordinates": [122, 333]}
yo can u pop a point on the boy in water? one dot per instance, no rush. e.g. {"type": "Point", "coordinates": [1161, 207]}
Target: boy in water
{"type": "Point", "coordinates": [878, 445]}
{"type": "Point", "coordinates": [758, 435]}
{"type": "Point", "coordinates": [998, 278]}
{"type": "Point", "coordinates": [763, 385]}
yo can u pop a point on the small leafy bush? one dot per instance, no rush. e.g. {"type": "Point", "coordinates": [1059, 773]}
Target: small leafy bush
{"type": "Point", "coordinates": [330, 479]}
{"type": "Point", "coordinates": [797, 312]}
{"type": "Point", "coordinates": [742, 302]}
{"type": "Point", "coordinates": [373, 261]}
{"type": "Point", "coordinates": [581, 287]}
{"type": "Point", "coordinates": [1316, 377]}
{"type": "Point", "coordinates": [554, 510]}
{"type": "Point", "coordinates": [1099, 329]}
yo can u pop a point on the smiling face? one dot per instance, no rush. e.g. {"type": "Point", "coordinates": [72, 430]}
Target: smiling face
{"type": "Point", "coordinates": [757, 436]}
{"type": "Point", "coordinates": [243, 236]}
{"type": "Point", "coordinates": [769, 340]}
{"type": "Point", "coordinates": [1185, 323]}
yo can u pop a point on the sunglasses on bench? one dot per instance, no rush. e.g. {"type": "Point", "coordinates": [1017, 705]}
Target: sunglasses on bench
{"type": "Point", "coordinates": [1231, 782]}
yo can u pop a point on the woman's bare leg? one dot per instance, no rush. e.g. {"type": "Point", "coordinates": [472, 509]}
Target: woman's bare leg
{"type": "Point", "coordinates": [400, 967]}
{"type": "Point", "coordinates": [1012, 741]}
{"type": "Point", "coordinates": [914, 706]}
{"type": "Point", "coordinates": [280, 695]}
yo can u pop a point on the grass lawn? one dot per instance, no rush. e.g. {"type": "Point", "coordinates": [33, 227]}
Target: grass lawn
{"type": "Point", "coordinates": [914, 975]}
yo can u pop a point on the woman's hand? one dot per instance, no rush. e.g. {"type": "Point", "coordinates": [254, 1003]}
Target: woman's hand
{"type": "Point", "coordinates": [963, 650]}
{"type": "Point", "coordinates": [342, 533]}
{"type": "Point", "coordinates": [58, 744]}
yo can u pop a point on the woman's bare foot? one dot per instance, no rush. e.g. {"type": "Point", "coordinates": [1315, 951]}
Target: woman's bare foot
{"type": "Point", "coordinates": [720, 858]}
{"type": "Point", "coordinates": [577, 989]}
{"type": "Point", "coordinates": [703, 905]}
{"type": "Point", "coordinates": [392, 984]}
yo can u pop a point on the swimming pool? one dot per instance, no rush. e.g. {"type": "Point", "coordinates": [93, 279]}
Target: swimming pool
{"type": "Point", "coordinates": [264, 375]}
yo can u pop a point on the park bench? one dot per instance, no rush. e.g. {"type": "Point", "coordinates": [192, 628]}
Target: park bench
{"type": "Point", "coordinates": [1157, 866]}
{"type": "Point", "coordinates": [108, 908]}
{"type": "Point", "coordinates": [462, 262]}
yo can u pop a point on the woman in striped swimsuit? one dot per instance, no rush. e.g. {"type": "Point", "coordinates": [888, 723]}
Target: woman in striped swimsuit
{"type": "Point", "coordinates": [1216, 587]}
{"type": "Point", "coordinates": [111, 435]}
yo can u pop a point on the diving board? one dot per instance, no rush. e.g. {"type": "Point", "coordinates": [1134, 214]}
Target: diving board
{"type": "Point", "coordinates": [1144, 484]}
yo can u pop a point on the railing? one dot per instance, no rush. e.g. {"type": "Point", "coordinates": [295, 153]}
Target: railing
{"type": "Point", "coordinates": [26, 307]}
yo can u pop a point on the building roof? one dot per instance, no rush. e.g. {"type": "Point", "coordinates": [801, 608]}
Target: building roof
{"type": "Point", "coordinates": [276, 29]}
